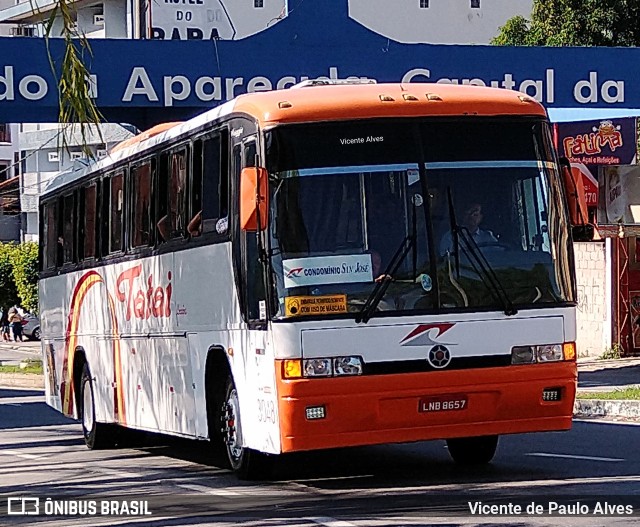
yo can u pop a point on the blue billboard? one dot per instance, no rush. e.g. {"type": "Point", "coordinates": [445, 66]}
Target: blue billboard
{"type": "Point", "coordinates": [148, 81]}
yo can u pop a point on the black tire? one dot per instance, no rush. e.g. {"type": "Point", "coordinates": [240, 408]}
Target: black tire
{"type": "Point", "coordinates": [215, 415]}
{"type": "Point", "coordinates": [36, 334]}
{"type": "Point", "coordinates": [247, 464]}
{"type": "Point", "coordinates": [97, 436]}
{"type": "Point", "coordinates": [472, 450]}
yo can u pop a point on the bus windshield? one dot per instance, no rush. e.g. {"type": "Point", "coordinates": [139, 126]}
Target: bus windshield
{"type": "Point", "coordinates": [455, 214]}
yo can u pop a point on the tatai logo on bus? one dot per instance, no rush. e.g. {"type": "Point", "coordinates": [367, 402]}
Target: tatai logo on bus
{"type": "Point", "coordinates": [143, 299]}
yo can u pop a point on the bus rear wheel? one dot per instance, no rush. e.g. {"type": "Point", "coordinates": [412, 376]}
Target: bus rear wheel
{"type": "Point", "coordinates": [245, 462]}
{"type": "Point", "coordinates": [472, 450]}
{"type": "Point", "coordinates": [96, 435]}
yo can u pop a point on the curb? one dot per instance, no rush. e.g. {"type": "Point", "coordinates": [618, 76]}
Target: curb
{"type": "Point", "coordinates": [582, 408]}
{"type": "Point", "coordinates": [22, 380]}
{"type": "Point", "coordinates": [607, 408]}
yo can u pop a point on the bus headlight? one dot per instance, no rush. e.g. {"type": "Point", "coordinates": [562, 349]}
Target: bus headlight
{"type": "Point", "coordinates": [523, 355]}
{"type": "Point", "coordinates": [330, 367]}
{"type": "Point", "coordinates": [347, 366]}
{"type": "Point", "coordinates": [550, 353]}
{"type": "Point", "coordinates": [317, 368]}
{"type": "Point", "coordinates": [538, 354]}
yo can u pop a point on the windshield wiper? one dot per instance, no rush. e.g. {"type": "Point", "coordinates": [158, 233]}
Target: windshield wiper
{"type": "Point", "coordinates": [370, 305]}
{"type": "Point", "coordinates": [479, 262]}
{"type": "Point", "coordinates": [381, 287]}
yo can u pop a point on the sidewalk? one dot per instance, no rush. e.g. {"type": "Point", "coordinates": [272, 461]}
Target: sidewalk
{"type": "Point", "coordinates": [12, 354]}
{"type": "Point", "coordinates": [593, 376]}
{"type": "Point", "coordinates": [598, 376]}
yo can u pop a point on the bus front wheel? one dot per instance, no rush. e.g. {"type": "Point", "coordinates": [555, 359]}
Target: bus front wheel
{"type": "Point", "coordinates": [472, 450]}
{"type": "Point", "coordinates": [96, 435]}
{"type": "Point", "coordinates": [245, 462]}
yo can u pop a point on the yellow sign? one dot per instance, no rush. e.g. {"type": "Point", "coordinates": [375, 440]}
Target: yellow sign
{"type": "Point", "coordinates": [315, 305]}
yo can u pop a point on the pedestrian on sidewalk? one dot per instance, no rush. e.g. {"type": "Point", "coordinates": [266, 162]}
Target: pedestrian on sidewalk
{"type": "Point", "coordinates": [15, 319]}
{"type": "Point", "coordinates": [4, 325]}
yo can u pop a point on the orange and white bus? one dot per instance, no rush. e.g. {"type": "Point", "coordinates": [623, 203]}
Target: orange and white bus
{"type": "Point", "coordinates": [318, 267]}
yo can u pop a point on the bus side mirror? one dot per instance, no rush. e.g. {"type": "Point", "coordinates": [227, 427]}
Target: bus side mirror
{"type": "Point", "coordinates": [254, 199]}
{"type": "Point", "coordinates": [581, 229]}
{"type": "Point", "coordinates": [574, 191]}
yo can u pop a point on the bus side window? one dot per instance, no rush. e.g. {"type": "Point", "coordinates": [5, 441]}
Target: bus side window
{"type": "Point", "coordinates": [209, 196]}
{"type": "Point", "coordinates": [67, 229]}
{"type": "Point", "coordinates": [59, 233]}
{"type": "Point", "coordinates": [104, 201]}
{"type": "Point", "coordinates": [116, 211]}
{"type": "Point", "coordinates": [194, 227]}
{"type": "Point", "coordinates": [141, 176]}
{"type": "Point", "coordinates": [50, 234]}
{"type": "Point", "coordinates": [178, 193]}
{"type": "Point", "coordinates": [160, 195]}
{"type": "Point", "coordinates": [88, 212]}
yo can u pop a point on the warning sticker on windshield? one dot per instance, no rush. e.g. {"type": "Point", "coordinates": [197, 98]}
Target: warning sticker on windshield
{"type": "Point", "coordinates": [315, 305]}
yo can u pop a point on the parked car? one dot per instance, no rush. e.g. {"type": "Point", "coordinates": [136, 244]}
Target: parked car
{"type": "Point", "coordinates": [31, 327]}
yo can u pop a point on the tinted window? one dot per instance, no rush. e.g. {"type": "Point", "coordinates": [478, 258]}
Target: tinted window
{"type": "Point", "coordinates": [141, 203]}
{"type": "Point", "coordinates": [89, 227]}
{"type": "Point", "coordinates": [50, 234]}
{"type": "Point", "coordinates": [68, 229]}
{"type": "Point", "coordinates": [178, 193]}
{"type": "Point", "coordinates": [116, 211]}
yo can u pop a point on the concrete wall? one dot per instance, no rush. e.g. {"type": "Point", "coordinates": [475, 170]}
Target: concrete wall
{"type": "Point", "coordinates": [594, 298]}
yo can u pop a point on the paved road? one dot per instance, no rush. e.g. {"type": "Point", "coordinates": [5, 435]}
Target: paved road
{"type": "Point", "coordinates": [14, 352]}
{"type": "Point", "coordinates": [41, 454]}
{"type": "Point", "coordinates": [608, 375]}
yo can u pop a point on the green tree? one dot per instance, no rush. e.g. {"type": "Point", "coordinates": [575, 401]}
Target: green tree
{"type": "Point", "coordinates": [8, 291]}
{"type": "Point", "coordinates": [574, 23]}
{"type": "Point", "coordinates": [24, 264]}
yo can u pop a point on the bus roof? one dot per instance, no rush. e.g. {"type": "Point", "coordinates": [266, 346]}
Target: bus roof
{"type": "Point", "coordinates": [332, 103]}
{"type": "Point", "coordinates": [319, 103]}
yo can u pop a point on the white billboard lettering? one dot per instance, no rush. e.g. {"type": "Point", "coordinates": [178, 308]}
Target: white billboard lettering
{"type": "Point", "coordinates": [6, 81]}
{"type": "Point", "coordinates": [259, 84]}
{"type": "Point", "coordinates": [586, 91]}
{"type": "Point", "coordinates": [536, 92]}
{"type": "Point", "coordinates": [507, 82]}
{"type": "Point", "coordinates": [285, 81]}
{"type": "Point", "coordinates": [231, 84]}
{"type": "Point", "coordinates": [170, 95]}
{"type": "Point", "coordinates": [416, 72]}
{"type": "Point", "coordinates": [214, 94]}
{"type": "Point", "coordinates": [206, 88]}
{"type": "Point", "coordinates": [30, 87]}
{"type": "Point", "coordinates": [27, 92]}
{"type": "Point", "coordinates": [618, 95]}
{"type": "Point", "coordinates": [139, 74]}
{"type": "Point", "coordinates": [543, 90]}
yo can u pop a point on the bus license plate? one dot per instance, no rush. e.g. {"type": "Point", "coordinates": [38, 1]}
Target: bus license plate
{"type": "Point", "coordinates": [443, 403]}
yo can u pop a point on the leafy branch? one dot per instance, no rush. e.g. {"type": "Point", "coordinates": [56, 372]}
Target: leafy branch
{"type": "Point", "coordinates": [77, 108]}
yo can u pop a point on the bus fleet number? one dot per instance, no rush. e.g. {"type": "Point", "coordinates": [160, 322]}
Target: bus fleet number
{"type": "Point", "coordinates": [266, 411]}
